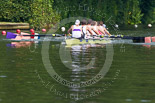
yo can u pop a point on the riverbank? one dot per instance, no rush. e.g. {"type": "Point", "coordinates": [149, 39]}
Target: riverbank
{"type": "Point", "coordinates": [11, 26]}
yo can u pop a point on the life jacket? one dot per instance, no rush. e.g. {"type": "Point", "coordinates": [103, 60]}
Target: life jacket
{"type": "Point", "coordinates": [76, 32]}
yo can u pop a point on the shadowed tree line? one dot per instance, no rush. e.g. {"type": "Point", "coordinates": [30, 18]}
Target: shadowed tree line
{"type": "Point", "coordinates": [120, 11]}
{"type": "Point", "coordinates": [47, 12]}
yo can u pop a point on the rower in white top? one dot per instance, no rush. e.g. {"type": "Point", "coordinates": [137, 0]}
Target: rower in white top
{"type": "Point", "coordinates": [95, 28]}
{"type": "Point", "coordinates": [86, 29]}
{"type": "Point", "coordinates": [76, 30]}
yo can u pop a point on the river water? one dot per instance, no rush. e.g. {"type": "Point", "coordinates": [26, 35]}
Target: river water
{"type": "Point", "coordinates": [50, 72]}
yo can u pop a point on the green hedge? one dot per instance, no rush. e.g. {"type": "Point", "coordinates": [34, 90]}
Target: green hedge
{"type": "Point", "coordinates": [36, 12]}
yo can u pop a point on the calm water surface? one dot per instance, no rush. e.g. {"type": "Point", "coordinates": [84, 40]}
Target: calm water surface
{"type": "Point", "coordinates": [25, 78]}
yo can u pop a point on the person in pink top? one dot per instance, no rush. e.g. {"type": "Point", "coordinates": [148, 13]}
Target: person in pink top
{"type": "Point", "coordinates": [96, 29]}
{"type": "Point", "coordinates": [103, 29]}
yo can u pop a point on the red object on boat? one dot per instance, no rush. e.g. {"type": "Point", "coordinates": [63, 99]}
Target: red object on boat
{"type": "Point", "coordinates": [153, 39]}
{"type": "Point", "coordinates": [32, 37]}
{"type": "Point", "coordinates": [18, 31]}
{"type": "Point", "coordinates": [32, 30]}
{"type": "Point", "coordinates": [3, 32]}
{"type": "Point", "coordinates": [147, 39]}
{"type": "Point", "coordinates": [43, 30]}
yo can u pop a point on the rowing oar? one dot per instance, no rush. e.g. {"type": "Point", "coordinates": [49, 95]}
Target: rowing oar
{"type": "Point", "coordinates": [135, 39]}
{"type": "Point", "coordinates": [49, 35]}
{"type": "Point", "coordinates": [11, 35]}
{"type": "Point", "coordinates": [117, 36]}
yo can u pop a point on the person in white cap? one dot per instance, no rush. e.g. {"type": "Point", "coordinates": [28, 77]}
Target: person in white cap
{"type": "Point", "coordinates": [76, 30]}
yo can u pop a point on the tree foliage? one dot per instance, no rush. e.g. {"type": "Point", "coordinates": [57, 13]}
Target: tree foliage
{"type": "Point", "coordinates": [46, 12]}
{"type": "Point", "coordinates": [120, 11]}
{"type": "Point", "coordinates": [36, 12]}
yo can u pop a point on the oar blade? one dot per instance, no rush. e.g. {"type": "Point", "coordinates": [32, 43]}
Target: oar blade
{"type": "Point", "coordinates": [138, 39]}
{"type": "Point", "coordinates": [11, 35]}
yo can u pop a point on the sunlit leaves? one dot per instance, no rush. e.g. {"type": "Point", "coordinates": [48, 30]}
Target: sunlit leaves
{"type": "Point", "coordinates": [47, 12]}
{"type": "Point", "coordinates": [36, 12]}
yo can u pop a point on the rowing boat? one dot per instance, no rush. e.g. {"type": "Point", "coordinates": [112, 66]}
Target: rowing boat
{"type": "Point", "coordinates": [73, 41]}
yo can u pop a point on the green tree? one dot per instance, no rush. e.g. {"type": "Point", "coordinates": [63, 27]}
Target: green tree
{"type": "Point", "coordinates": [36, 12]}
{"type": "Point", "coordinates": [42, 13]}
{"type": "Point", "coordinates": [135, 14]}
{"type": "Point", "coordinates": [148, 8]}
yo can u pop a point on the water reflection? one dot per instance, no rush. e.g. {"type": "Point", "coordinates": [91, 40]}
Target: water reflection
{"type": "Point", "coordinates": [83, 56]}
{"type": "Point", "coordinates": [77, 56]}
{"type": "Point", "coordinates": [3, 76]}
{"type": "Point", "coordinates": [147, 46]}
{"type": "Point", "coordinates": [81, 59]}
{"type": "Point", "coordinates": [135, 81]}
{"type": "Point", "coordinates": [20, 44]}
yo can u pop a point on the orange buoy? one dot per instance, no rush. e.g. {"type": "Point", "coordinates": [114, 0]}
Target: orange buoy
{"type": "Point", "coordinates": [153, 39]}
{"type": "Point", "coordinates": [18, 31]}
{"type": "Point", "coordinates": [43, 30]}
{"type": "Point", "coordinates": [4, 33]}
{"type": "Point", "coordinates": [32, 30]}
{"type": "Point", "coordinates": [147, 39]}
